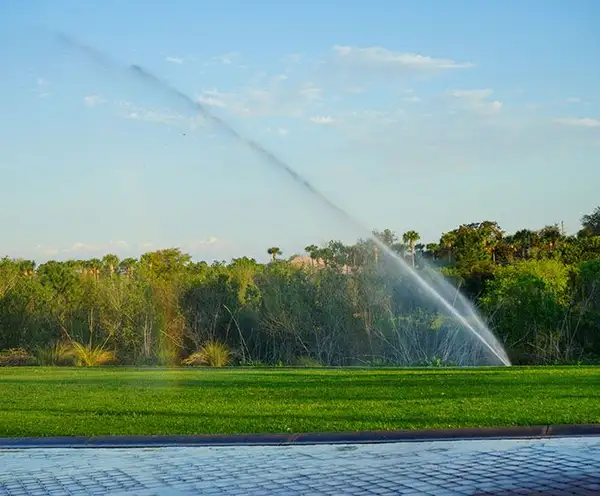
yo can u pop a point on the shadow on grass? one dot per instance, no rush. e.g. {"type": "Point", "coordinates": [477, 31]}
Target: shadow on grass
{"type": "Point", "coordinates": [366, 387]}
{"type": "Point", "coordinates": [229, 423]}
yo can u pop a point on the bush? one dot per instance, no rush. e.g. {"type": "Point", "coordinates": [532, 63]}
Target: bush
{"type": "Point", "coordinates": [60, 353]}
{"type": "Point", "coordinates": [92, 356]}
{"type": "Point", "coordinates": [14, 357]}
{"type": "Point", "coordinates": [213, 354]}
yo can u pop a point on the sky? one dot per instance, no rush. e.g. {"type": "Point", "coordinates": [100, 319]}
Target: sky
{"type": "Point", "coordinates": [410, 115]}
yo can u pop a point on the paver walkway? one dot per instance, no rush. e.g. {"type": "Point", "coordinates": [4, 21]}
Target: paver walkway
{"type": "Point", "coordinates": [501, 467]}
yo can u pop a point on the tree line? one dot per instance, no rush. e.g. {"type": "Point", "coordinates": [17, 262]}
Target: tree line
{"type": "Point", "coordinates": [339, 304]}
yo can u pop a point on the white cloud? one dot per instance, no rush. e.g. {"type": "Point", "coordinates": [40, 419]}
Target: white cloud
{"type": "Point", "coordinates": [80, 247]}
{"type": "Point", "coordinates": [281, 131]}
{"type": "Point", "coordinates": [476, 100]}
{"type": "Point", "coordinates": [472, 94]}
{"type": "Point", "coordinates": [42, 87]}
{"type": "Point", "coordinates": [573, 100]}
{"type": "Point", "coordinates": [92, 100]}
{"type": "Point", "coordinates": [269, 101]}
{"type": "Point", "coordinates": [323, 120]}
{"type": "Point", "coordinates": [311, 93]}
{"type": "Point", "coordinates": [411, 99]}
{"type": "Point", "coordinates": [174, 60]}
{"type": "Point", "coordinates": [226, 58]}
{"type": "Point", "coordinates": [373, 118]}
{"type": "Point", "coordinates": [578, 121]}
{"type": "Point", "coordinates": [152, 116]}
{"type": "Point", "coordinates": [382, 57]}
{"type": "Point", "coordinates": [492, 107]}
{"type": "Point", "coordinates": [201, 244]}
{"type": "Point", "coordinates": [46, 251]}
{"type": "Point", "coordinates": [159, 116]}
{"type": "Point", "coordinates": [354, 90]}
{"type": "Point", "coordinates": [212, 101]}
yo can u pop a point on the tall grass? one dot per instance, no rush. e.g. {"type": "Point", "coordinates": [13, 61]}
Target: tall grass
{"type": "Point", "coordinates": [212, 354]}
{"type": "Point", "coordinates": [60, 353]}
{"type": "Point", "coordinates": [92, 356]}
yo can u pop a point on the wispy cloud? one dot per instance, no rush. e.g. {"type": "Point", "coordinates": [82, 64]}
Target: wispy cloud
{"type": "Point", "coordinates": [211, 101]}
{"type": "Point", "coordinates": [311, 93]}
{"type": "Point", "coordinates": [477, 100]}
{"type": "Point", "coordinates": [174, 60]}
{"type": "Point", "coordinates": [87, 247]}
{"type": "Point", "coordinates": [382, 57]}
{"type": "Point", "coordinates": [472, 94]}
{"type": "Point", "coordinates": [323, 120]}
{"type": "Point", "coordinates": [96, 248]}
{"type": "Point", "coordinates": [226, 58]}
{"type": "Point", "coordinates": [281, 131]}
{"type": "Point", "coordinates": [92, 100]}
{"type": "Point", "coordinates": [134, 112]}
{"type": "Point", "coordinates": [270, 100]}
{"type": "Point", "coordinates": [573, 100]}
{"type": "Point", "coordinates": [42, 87]}
{"type": "Point", "coordinates": [200, 244]}
{"type": "Point", "coordinates": [46, 251]}
{"type": "Point", "coordinates": [578, 121]}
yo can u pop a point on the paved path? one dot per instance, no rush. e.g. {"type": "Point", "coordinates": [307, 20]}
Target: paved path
{"type": "Point", "coordinates": [500, 467]}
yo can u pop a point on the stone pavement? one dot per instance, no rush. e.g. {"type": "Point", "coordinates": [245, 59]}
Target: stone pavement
{"type": "Point", "coordinates": [501, 467]}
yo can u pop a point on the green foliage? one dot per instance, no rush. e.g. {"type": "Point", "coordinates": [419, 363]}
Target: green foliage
{"type": "Point", "coordinates": [91, 356]}
{"type": "Point", "coordinates": [59, 353]}
{"type": "Point", "coordinates": [591, 223]}
{"type": "Point", "coordinates": [529, 306]}
{"type": "Point", "coordinates": [340, 305]}
{"type": "Point", "coordinates": [212, 354]}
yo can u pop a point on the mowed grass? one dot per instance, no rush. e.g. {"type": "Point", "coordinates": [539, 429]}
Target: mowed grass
{"type": "Point", "coordinates": [113, 401]}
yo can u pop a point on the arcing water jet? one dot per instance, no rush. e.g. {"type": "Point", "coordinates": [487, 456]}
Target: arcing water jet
{"type": "Point", "coordinates": [479, 330]}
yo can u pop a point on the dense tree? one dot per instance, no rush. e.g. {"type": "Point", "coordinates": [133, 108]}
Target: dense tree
{"type": "Point", "coordinates": [538, 288]}
{"type": "Point", "coordinates": [591, 223]}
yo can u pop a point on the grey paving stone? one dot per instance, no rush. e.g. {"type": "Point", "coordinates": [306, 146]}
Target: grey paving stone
{"type": "Point", "coordinates": [499, 467]}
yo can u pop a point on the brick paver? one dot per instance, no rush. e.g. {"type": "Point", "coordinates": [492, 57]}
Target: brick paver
{"type": "Point", "coordinates": [475, 467]}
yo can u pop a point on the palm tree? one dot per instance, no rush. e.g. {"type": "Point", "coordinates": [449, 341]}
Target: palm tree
{"type": "Point", "coordinates": [411, 237]}
{"type": "Point", "coordinates": [27, 267]}
{"type": "Point", "coordinates": [387, 236]}
{"type": "Point", "coordinates": [523, 241]}
{"type": "Point", "coordinates": [127, 266]}
{"type": "Point", "coordinates": [551, 235]}
{"type": "Point", "coordinates": [110, 263]}
{"type": "Point", "coordinates": [95, 264]}
{"type": "Point", "coordinates": [314, 252]}
{"type": "Point", "coordinates": [433, 248]}
{"type": "Point", "coordinates": [447, 242]}
{"type": "Point", "coordinates": [274, 251]}
{"type": "Point", "coordinates": [491, 237]}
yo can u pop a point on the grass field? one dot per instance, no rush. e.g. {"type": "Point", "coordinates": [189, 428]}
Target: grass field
{"type": "Point", "coordinates": [113, 401]}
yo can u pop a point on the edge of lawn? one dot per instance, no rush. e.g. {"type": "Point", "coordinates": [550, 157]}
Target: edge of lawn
{"type": "Point", "coordinates": [367, 437]}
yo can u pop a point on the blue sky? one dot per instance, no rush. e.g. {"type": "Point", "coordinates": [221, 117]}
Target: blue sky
{"type": "Point", "coordinates": [410, 114]}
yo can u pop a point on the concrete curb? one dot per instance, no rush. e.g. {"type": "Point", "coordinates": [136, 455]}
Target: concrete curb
{"type": "Point", "coordinates": [368, 437]}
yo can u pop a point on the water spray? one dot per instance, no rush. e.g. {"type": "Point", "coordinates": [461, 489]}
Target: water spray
{"type": "Point", "coordinates": [100, 59]}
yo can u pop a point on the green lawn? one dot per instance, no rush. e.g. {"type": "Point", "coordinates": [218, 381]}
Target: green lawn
{"type": "Point", "coordinates": [66, 401]}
